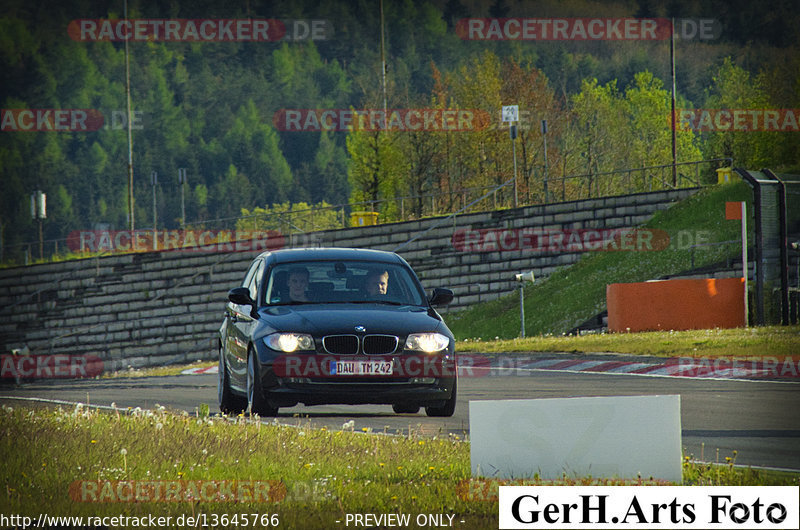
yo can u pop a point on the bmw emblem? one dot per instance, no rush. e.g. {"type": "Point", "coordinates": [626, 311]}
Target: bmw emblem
{"type": "Point", "coordinates": [361, 329]}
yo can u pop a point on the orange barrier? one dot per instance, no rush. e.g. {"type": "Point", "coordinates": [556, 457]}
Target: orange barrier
{"type": "Point", "coordinates": [676, 305]}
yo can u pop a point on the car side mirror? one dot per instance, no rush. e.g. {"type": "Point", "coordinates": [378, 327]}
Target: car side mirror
{"type": "Point", "coordinates": [440, 297]}
{"type": "Point", "coordinates": [241, 296]}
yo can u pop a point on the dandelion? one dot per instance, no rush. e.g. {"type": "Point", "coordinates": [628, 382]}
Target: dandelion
{"type": "Point", "coordinates": [159, 426]}
{"type": "Point", "coordinates": [349, 424]}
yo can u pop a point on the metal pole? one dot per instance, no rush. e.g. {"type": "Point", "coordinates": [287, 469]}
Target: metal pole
{"type": "Point", "coordinates": [154, 181]}
{"type": "Point", "coordinates": [383, 70]}
{"type": "Point", "coordinates": [513, 132]}
{"type": "Point", "coordinates": [674, 140]}
{"type": "Point", "coordinates": [521, 311]}
{"type": "Point", "coordinates": [131, 224]}
{"type": "Point", "coordinates": [744, 261]}
{"type": "Point", "coordinates": [544, 137]}
{"type": "Point", "coordinates": [182, 182]}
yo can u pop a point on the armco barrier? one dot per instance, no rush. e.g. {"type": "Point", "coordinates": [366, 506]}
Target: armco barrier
{"type": "Point", "coordinates": [676, 304]}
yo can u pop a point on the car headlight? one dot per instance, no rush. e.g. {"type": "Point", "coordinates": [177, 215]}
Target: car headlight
{"type": "Point", "coordinates": [427, 342]}
{"type": "Point", "coordinates": [289, 342]}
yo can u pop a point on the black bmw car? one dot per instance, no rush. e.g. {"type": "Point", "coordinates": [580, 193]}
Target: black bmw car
{"type": "Point", "coordinates": [322, 326]}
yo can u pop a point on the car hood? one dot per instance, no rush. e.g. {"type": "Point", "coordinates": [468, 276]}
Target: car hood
{"type": "Point", "coordinates": [343, 318]}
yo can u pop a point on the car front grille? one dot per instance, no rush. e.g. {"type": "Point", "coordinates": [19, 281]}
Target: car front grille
{"type": "Point", "coordinates": [370, 344]}
{"type": "Point", "coordinates": [379, 344]}
{"type": "Point", "coordinates": [341, 344]}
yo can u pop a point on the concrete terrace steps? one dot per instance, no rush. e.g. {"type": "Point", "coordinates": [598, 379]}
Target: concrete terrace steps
{"type": "Point", "coordinates": [151, 308]}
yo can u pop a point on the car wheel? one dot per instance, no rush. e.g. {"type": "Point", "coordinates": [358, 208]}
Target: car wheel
{"type": "Point", "coordinates": [256, 402]}
{"type": "Point", "coordinates": [405, 408]}
{"type": "Point", "coordinates": [449, 406]}
{"type": "Point", "coordinates": [229, 403]}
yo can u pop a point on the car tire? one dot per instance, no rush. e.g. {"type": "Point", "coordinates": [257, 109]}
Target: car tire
{"type": "Point", "coordinates": [256, 401]}
{"type": "Point", "coordinates": [229, 403]}
{"type": "Point", "coordinates": [405, 408]}
{"type": "Point", "coordinates": [449, 407]}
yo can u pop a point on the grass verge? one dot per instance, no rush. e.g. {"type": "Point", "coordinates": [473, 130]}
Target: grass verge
{"type": "Point", "coordinates": [87, 463]}
{"type": "Point", "coordinates": [157, 371]}
{"type": "Point", "coordinates": [769, 341]}
{"type": "Point", "coordinates": [572, 295]}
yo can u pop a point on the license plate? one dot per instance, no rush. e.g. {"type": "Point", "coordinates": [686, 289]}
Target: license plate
{"type": "Point", "coordinates": [361, 368]}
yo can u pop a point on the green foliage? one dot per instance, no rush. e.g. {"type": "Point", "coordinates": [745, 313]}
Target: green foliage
{"type": "Point", "coordinates": [735, 88]}
{"type": "Point", "coordinates": [209, 108]}
{"type": "Point", "coordinates": [763, 341]}
{"type": "Point", "coordinates": [288, 218]}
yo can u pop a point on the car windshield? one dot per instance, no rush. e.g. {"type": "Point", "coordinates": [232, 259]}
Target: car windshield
{"type": "Point", "coordinates": [328, 282]}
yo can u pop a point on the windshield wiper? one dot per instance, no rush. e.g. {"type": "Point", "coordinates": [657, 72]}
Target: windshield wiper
{"type": "Point", "coordinates": [386, 302]}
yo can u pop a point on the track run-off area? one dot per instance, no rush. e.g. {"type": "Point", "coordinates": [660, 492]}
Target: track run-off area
{"type": "Point", "coordinates": [744, 409]}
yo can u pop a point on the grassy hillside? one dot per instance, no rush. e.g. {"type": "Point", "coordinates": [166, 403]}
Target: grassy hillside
{"type": "Point", "coordinates": [572, 295]}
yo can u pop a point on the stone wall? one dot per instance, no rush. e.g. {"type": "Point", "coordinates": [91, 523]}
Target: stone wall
{"type": "Point", "coordinates": [165, 307]}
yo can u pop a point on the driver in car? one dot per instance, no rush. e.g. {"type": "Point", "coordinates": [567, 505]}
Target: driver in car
{"type": "Point", "coordinates": [298, 283]}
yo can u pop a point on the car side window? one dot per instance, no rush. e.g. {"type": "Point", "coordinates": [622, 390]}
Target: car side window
{"type": "Point", "coordinates": [248, 278]}
{"type": "Point", "coordinates": [255, 281]}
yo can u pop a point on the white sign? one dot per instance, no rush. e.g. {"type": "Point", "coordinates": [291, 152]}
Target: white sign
{"type": "Point", "coordinates": [615, 437]}
{"type": "Point", "coordinates": [510, 113]}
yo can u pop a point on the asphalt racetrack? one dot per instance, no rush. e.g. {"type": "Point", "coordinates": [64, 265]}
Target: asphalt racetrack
{"type": "Point", "coordinates": [758, 419]}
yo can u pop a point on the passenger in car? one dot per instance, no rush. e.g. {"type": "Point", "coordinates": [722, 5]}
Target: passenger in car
{"type": "Point", "coordinates": [377, 282]}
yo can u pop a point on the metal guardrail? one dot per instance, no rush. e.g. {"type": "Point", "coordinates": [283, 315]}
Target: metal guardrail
{"type": "Point", "coordinates": [434, 204]}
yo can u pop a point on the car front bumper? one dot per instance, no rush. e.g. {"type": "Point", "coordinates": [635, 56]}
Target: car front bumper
{"type": "Point", "coordinates": [426, 380]}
